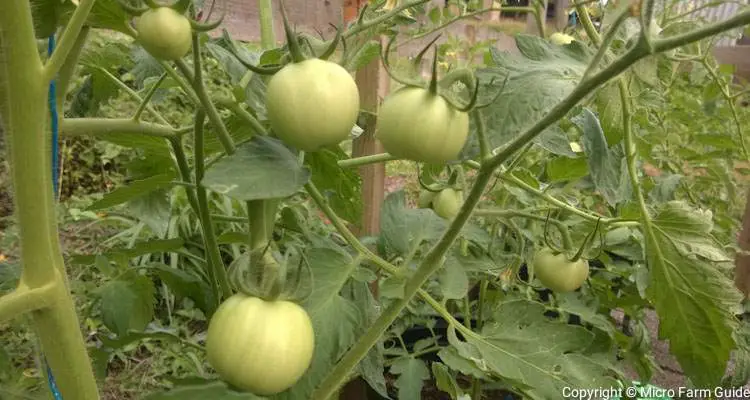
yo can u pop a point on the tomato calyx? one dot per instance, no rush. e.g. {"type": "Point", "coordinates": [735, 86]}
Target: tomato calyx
{"type": "Point", "coordinates": [294, 43]}
{"type": "Point", "coordinates": [436, 86]}
{"type": "Point", "coordinates": [267, 275]}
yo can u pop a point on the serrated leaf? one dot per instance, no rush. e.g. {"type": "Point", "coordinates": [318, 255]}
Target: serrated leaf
{"type": "Point", "coordinates": [454, 282]}
{"type": "Point", "coordinates": [364, 56]}
{"type": "Point", "coordinates": [153, 209]}
{"type": "Point", "coordinates": [537, 80]}
{"type": "Point", "coordinates": [451, 357]}
{"type": "Point", "coordinates": [554, 140]}
{"type": "Point", "coordinates": [445, 381]}
{"type": "Point", "coordinates": [336, 320]}
{"type": "Point", "coordinates": [563, 169]}
{"type": "Point", "coordinates": [539, 356]}
{"type": "Point", "coordinates": [402, 227]}
{"type": "Point", "coordinates": [411, 373]}
{"type": "Point", "coordinates": [342, 186]}
{"type": "Point", "coordinates": [127, 303]}
{"type": "Point", "coordinates": [134, 190]}
{"type": "Point", "coordinates": [605, 166]}
{"type": "Point", "coordinates": [687, 286]}
{"type": "Point", "coordinates": [184, 284]}
{"type": "Point", "coordinates": [262, 168]}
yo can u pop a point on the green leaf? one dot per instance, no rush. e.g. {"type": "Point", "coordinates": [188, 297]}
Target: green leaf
{"type": "Point", "coordinates": [134, 190]}
{"type": "Point", "coordinates": [695, 299]}
{"type": "Point", "coordinates": [342, 186]}
{"type": "Point", "coordinates": [364, 56]}
{"type": "Point", "coordinates": [411, 373]}
{"type": "Point", "coordinates": [445, 381]}
{"type": "Point", "coordinates": [556, 141]}
{"type": "Point", "coordinates": [45, 14]}
{"type": "Point", "coordinates": [517, 347]}
{"type": "Point", "coordinates": [537, 80]}
{"type": "Point", "coordinates": [127, 303]}
{"type": "Point", "coordinates": [153, 209]}
{"type": "Point", "coordinates": [607, 168]}
{"type": "Point", "coordinates": [214, 390]}
{"type": "Point", "coordinates": [262, 168]}
{"type": "Point", "coordinates": [336, 320]}
{"type": "Point", "coordinates": [239, 130]}
{"type": "Point", "coordinates": [609, 106]}
{"type": "Point", "coordinates": [401, 228]}
{"type": "Point", "coordinates": [183, 284]}
{"type": "Point", "coordinates": [563, 169]}
{"type": "Point", "coordinates": [454, 282]}
{"type": "Point", "coordinates": [228, 61]}
{"type": "Point", "coordinates": [137, 250]}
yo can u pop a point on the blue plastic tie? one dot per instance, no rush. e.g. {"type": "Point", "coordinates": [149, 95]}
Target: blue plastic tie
{"type": "Point", "coordinates": [53, 116]}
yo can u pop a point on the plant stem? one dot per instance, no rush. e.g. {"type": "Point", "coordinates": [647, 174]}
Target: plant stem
{"type": "Point", "coordinates": [24, 84]}
{"type": "Point", "coordinates": [216, 270]}
{"type": "Point", "coordinates": [565, 235]}
{"type": "Point", "coordinates": [245, 115]}
{"type": "Point", "coordinates": [267, 35]}
{"type": "Point", "coordinates": [540, 15]}
{"type": "Point", "coordinates": [365, 160]}
{"type": "Point", "coordinates": [145, 101]}
{"type": "Point", "coordinates": [69, 67]}
{"type": "Point", "coordinates": [102, 127]}
{"type": "Point", "coordinates": [132, 93]}
{"type": "Point", "coordinates": [67, 41]}
{"type": "Point", "coordinates": [200, 91]}
{"type": "Point", "coordinates": [365, 25]}
{"type": "Point", "coordinates": [24, 300]}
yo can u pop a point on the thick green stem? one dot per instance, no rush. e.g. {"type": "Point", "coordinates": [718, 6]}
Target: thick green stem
{"type": "Point", "coordinates": [540, 15]}
{"type": "Point", "coordinates": [25, 115]}
{"type": "Point", "coordinates": [200, 90]}
{"type": "Point", "coordinates": [24, 300]}
{"type": "Point", "coordinates": [267, 35]}
{"type": "Point", "coordinates": [216, 270]}
{"type": "Point", "coordinates": [145, 101]}
{"type": "Point", "coordinates": [102, 127]}
{"type": "Point", "coordinates": [68, 40]}
{"type": "Point", "coordinates": [366, 160]}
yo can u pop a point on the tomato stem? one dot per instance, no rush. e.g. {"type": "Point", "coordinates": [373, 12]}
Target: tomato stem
{"type": "Point", "coordinates": [295, 51]}
{"type": "Point", "coordinates": [433, 87]}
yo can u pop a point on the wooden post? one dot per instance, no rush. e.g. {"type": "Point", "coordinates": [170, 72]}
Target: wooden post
{"type": "Point", "coordinates": [742, 262]}
{"type": "Point", "coordinates": [373, 84]}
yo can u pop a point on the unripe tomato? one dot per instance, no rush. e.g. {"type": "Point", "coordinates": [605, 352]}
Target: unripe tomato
{"type": "Point", "coordinates": [425, 199]}
{"type": "Point", "coordinates": [561, 38]}
{"type": "Point", "coordinates": [312, 104]}
{"type": "Point", "coordinates": [447, 203]}
{"type": "Point", "coordinates": [164, 33]}
{"type": "Point", "coordinates": [557, 273]}
{"type": "Point", "coordinates": [263, 347]}
{"type": "Point", "coordinates": [417, 125]}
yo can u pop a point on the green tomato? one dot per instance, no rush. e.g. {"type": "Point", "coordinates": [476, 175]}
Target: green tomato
{"type": "Point", "coordinates": [425, 199]}
{"type": "Point", "coordinates": [312, 104]}
{"type": "Point", "coordinates": [164, 33]}
{"type": "Point", "coordinates": [417, 125]}
{"type": "Point", "coordinates": [447, 203]}
{"type": "Point", "coordinates": [557, 273]}
{"type": "Point", "coordinates": [561, 38]}
{"type": "Point", "coordinates": [263, 347]}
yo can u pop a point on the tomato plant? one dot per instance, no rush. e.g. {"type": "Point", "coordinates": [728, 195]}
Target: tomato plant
{"type": "Point", "coordinates": [258, 345]}
{"type": "Point", "coordinates": [164, 33]}
{"type": "Point", "coordinates": [242, 251]}
{"type": "Point", "coordinates": [557, 272]}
